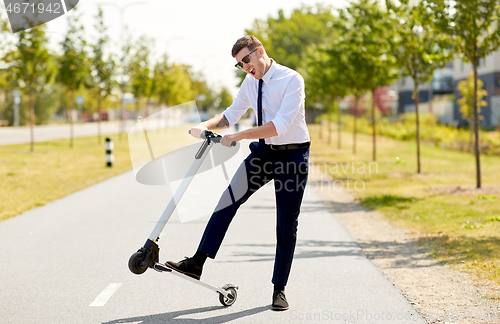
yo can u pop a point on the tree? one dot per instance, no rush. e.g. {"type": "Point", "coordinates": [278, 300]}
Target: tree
{"type": "Point", "coordinates": [474, 27]}
{"type": "Point", "coordinates": [347, 61]}
{"type": "Point", "coordinates": [173, 84]}
{"type": "Point", "coordinates": [180, 87]}
{"type": "Point", "coordinates": [225, 98]}
{"type": "Point", "coordinates": [161, 80]}
{"type": "Point", "coordinates": [370, 34]}
{"type": "Point", "coordinates": [73, 64]}
{"type": "Point", "coordinates": [466, 89]}
{"type": "Point", "coordinates": [123, 71]}
{"type": "Point", "coordinates": [5, 47]}
{"type": "Point", "coordinates": [326, 81]}
{"type": "Point", "coordinates": [419, 48]}
{"type": "Point", "coordinates": [102, 68]}
{"type": "Point", "coordinates": [202, 93]}
{"type": "Point", "coordinates": [287, 39]}
{"type": "Point", "coordinates": [32, 68]}
{"type": "Point", "coordinates": [140, 72]}
{"type": "Point", "coordinates": [361, 53]}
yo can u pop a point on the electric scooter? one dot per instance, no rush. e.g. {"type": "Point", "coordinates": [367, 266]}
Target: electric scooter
{"type": "Point", "coordinates": [148, 255]}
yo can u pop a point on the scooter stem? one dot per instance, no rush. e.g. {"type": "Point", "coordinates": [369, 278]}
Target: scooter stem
{"type": "Point", "coordinates": [207, 144]}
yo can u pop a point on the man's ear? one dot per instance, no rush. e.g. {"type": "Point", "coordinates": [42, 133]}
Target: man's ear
{"type": "Point", "coordinates": [261, 51]}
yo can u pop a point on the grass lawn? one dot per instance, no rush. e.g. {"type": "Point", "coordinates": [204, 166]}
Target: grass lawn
{"type": "Point", "coordinates": [54, 170]}
{"type": "Point", "coordinates": [462, 230]}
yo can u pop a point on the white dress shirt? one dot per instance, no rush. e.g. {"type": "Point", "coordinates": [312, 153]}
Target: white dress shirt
{"type": "Point", "coordinates": [283, 98]}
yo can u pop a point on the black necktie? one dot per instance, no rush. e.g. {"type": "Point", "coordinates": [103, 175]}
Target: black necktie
{"type": "Point", "coordinates": [259, 108]}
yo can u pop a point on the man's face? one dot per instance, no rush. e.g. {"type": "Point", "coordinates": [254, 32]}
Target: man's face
{"type": "Point", "coordinates": [256, 66]}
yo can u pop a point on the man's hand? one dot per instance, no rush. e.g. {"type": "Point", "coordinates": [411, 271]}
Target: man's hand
{"type": "Point", "coordinates": [228, 139]}
{"type": "Point", "coordinates": [197, 130]}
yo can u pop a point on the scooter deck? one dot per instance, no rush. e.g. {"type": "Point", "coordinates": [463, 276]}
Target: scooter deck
{"type": "Point", "coordinates": [163, 268]}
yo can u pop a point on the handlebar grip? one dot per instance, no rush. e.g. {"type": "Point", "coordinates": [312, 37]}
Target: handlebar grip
{"type": "Point", "coordinates": [217, 139]}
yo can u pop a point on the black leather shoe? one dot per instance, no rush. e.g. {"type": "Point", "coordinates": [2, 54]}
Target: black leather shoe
{"type": "Point", "coordinates": [187, 267]}
{"type": "Point", "coordinates": [279, 301]}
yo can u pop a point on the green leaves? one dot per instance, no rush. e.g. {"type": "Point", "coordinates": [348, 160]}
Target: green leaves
{"type": "Point", "coordinates": [418, 46]}
{"type": "Point", "coordinates": [472, 25]}
{"type": "Point", "coordinates": [287, 39]}
{"type": "Point", "coordinates": [73, 64]}
{"type": "Point", "coordinates": [466, 89]}
{"type": "Point", "coordinates": [140, 73]}
{"type": "Point", "coordinates": [361, 52]}
{"type": "Point", "coordinates": [31, 64]}
{"type": "Point", "coordinates": [103, 68]}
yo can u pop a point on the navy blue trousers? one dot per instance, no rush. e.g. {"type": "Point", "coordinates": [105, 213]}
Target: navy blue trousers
{"type": "Point", "coordinates": [289, 170]}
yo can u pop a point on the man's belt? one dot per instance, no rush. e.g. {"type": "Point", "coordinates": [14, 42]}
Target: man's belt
{"type": "Point", "coordinates": [287, 147]}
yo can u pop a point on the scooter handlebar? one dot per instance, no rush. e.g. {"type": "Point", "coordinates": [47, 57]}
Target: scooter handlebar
{"type": "Point", "coordinates": [216, 138]}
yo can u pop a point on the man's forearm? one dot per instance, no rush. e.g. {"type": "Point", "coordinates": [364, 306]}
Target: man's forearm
{"type": "Point", "coordinates": [265, 131]}
{"type": "Point", "coordinates": [218, 122]}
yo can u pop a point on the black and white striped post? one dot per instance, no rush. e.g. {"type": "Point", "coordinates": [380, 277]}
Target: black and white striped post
{"type": "Point", "coordinates": [109, 152]}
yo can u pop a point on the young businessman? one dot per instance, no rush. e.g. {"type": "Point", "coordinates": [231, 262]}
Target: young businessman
{"type": "Point", "coordinates": [276, 94]}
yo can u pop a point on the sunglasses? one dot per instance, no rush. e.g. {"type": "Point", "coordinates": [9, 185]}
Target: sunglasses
{"type": "Point", "coordinates": [245, 60]}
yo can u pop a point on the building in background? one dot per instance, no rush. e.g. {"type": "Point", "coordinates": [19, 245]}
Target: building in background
{"type": "Point", "coordinates": [440, 89]}
{"type": "Point", "coordinates": [488, 70]}
{"type": "Point", "coordinates": [444, 93]}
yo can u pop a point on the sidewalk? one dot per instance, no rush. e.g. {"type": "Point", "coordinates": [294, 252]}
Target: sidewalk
{"type": "Point", "coordinates": [60, 257]}
{"type": "Point", "coordinates": [19, 135]}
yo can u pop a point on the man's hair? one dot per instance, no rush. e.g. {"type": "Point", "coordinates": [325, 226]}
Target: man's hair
{"type": "Point", "coordinates": [249, 41]}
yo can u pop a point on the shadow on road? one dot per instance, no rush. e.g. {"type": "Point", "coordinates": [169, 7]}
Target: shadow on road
{"type": "Point", "coordinates": [316, 206]}
{"type": "Point", "coordinates": [172, 317]}
{"type": "Point", "coordinates": [306, 249]}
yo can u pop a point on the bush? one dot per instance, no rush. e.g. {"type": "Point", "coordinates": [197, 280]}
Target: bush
{"type": "Point", "coordinates": [404, 129]}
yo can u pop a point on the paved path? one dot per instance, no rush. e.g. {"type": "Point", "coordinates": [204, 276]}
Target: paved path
{"type": "Point", "coordinates": [19, 135]}
{"type": "Point", "coordinates": [66, 262]}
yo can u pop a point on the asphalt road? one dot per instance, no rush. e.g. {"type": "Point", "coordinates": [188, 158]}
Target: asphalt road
{"type": "Point", "coordinates": [19, 135]}
{"type": "Point", "coordinates": [66, 262]}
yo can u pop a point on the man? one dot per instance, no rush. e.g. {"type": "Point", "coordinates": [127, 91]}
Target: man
{"type": "Point", "coordinates": [277, 95]}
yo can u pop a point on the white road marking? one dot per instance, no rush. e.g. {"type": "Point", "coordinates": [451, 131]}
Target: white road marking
{"type": "Point", "coordinates": [106, 294]}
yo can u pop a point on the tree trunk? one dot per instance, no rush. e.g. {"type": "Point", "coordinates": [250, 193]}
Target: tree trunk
{"type": "Point", "coordinates": [339, 129]}
{"type": "Point", "coordinates": [373, 127]}
{"type": "Point", "coordinates": [122, 126]}
{"type": "Point", "coordinates": [471, 134]}
{"type": "Point", "coordinates": [32, 119]}
{"type": "Point", "coordinates": [329, 131]}
{"type": "Point", "coordinates": [99, 99]}
{"type": "Point", "coordinates": [354, 133]}
{"type": "Point", "coordinates": [415, 94]}
{"type": "Point", "coordinates": [320, 131]}
{"type": "Point", "coordinates": [71, 109]}
{"type": "Point", "coordinates": [476, 127]}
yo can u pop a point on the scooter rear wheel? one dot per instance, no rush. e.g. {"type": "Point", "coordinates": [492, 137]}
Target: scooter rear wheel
{"type": "Point", "coordinates": [134, 263]}
{"type": "Point", "coordinates": [228, 301]}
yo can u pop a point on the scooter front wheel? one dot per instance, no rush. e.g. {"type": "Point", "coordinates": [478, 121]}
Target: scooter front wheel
{"type": "Point", "coordinates": [228, 301]}
{"type": "Point", "coordinates": [135, 262]}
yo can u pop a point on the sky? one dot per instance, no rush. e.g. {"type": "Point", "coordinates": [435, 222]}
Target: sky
{"type": "Point", "coordinates": [199, 33]}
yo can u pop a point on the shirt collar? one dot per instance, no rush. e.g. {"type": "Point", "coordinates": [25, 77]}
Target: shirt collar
{"type": "Point", "coordinates": [269, 72]}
